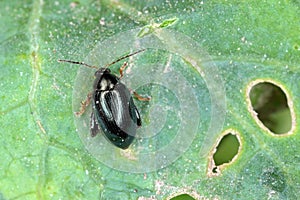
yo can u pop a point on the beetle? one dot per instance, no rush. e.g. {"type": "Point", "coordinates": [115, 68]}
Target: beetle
{"type": "Point", "coordinates": [113, 106]}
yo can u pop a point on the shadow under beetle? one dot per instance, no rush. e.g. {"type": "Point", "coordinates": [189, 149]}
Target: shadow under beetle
{"type": "Point", "coordinates": [113, 106]}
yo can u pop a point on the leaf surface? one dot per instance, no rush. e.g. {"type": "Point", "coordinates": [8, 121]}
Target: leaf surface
{"type": "Point", "coordinates": [231, 43]}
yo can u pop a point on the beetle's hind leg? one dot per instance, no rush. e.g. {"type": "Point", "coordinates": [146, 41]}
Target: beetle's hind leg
{"type": "Point", "coordinates": [84, 104]}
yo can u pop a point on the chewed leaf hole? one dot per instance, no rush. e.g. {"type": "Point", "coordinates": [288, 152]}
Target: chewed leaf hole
{"type": "Point", "coordinates": [226, 150]}
{"type": "Point", "coordinates": [269, 104]}
{"type": "Point", "coordinates": [224, 153]}
{"type": "Point", "coordinates": [182, 197]}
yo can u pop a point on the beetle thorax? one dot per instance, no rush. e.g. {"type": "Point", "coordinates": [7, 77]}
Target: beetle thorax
{"type": "Point", "coordinates": [106, 84]}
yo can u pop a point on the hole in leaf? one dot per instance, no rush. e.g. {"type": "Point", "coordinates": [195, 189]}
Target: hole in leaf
{"type": "Point", "coordinates": [183, 197]}
{"type": "Point", "coordinates": [226, 150]}
{"type": "Point", "coordinates": [270, 104]}
{"type": "Point", "coordinates": [215, 170]}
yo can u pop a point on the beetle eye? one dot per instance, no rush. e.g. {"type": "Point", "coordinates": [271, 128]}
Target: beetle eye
{"type": "Point", "coordinates": [96, 73]}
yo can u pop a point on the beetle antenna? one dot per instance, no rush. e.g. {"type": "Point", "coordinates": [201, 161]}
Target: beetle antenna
{"type": "Point", "coordinates": [106, 66]}
{"type": "Point", "coordinates": [78, 63]}
{"type": "Point", "coordinates": [123, 57]}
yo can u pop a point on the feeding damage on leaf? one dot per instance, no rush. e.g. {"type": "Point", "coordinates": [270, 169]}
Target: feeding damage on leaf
{"type": "Point", "coordinates": [271, 106]}
{"type": "Point", "coordinates": [222, 154]}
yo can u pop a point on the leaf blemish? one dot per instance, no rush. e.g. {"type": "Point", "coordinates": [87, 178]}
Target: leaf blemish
{"type": "Point", "coordinates": [150, 28]}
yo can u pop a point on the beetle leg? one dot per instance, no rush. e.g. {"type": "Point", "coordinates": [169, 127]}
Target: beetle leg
{"type": "Point", "coordinates": [141, 98]}
{"type": "Point", "coordinates": [122, 68]}
{"type": "Point", "coordinates": [84, 104]}
{"type": "Point", "coordinates": [94, 126]}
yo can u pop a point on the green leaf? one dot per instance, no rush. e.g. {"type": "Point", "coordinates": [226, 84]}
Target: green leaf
{"type": "Point", "coordinates": [201, 58]}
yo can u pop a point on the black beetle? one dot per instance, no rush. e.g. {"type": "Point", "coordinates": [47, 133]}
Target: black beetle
{"type": "Point", "coordinates": [113, 106]}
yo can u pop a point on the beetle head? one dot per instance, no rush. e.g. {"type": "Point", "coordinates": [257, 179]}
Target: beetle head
{"type": "Point", "coordinates": [104, 80]}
